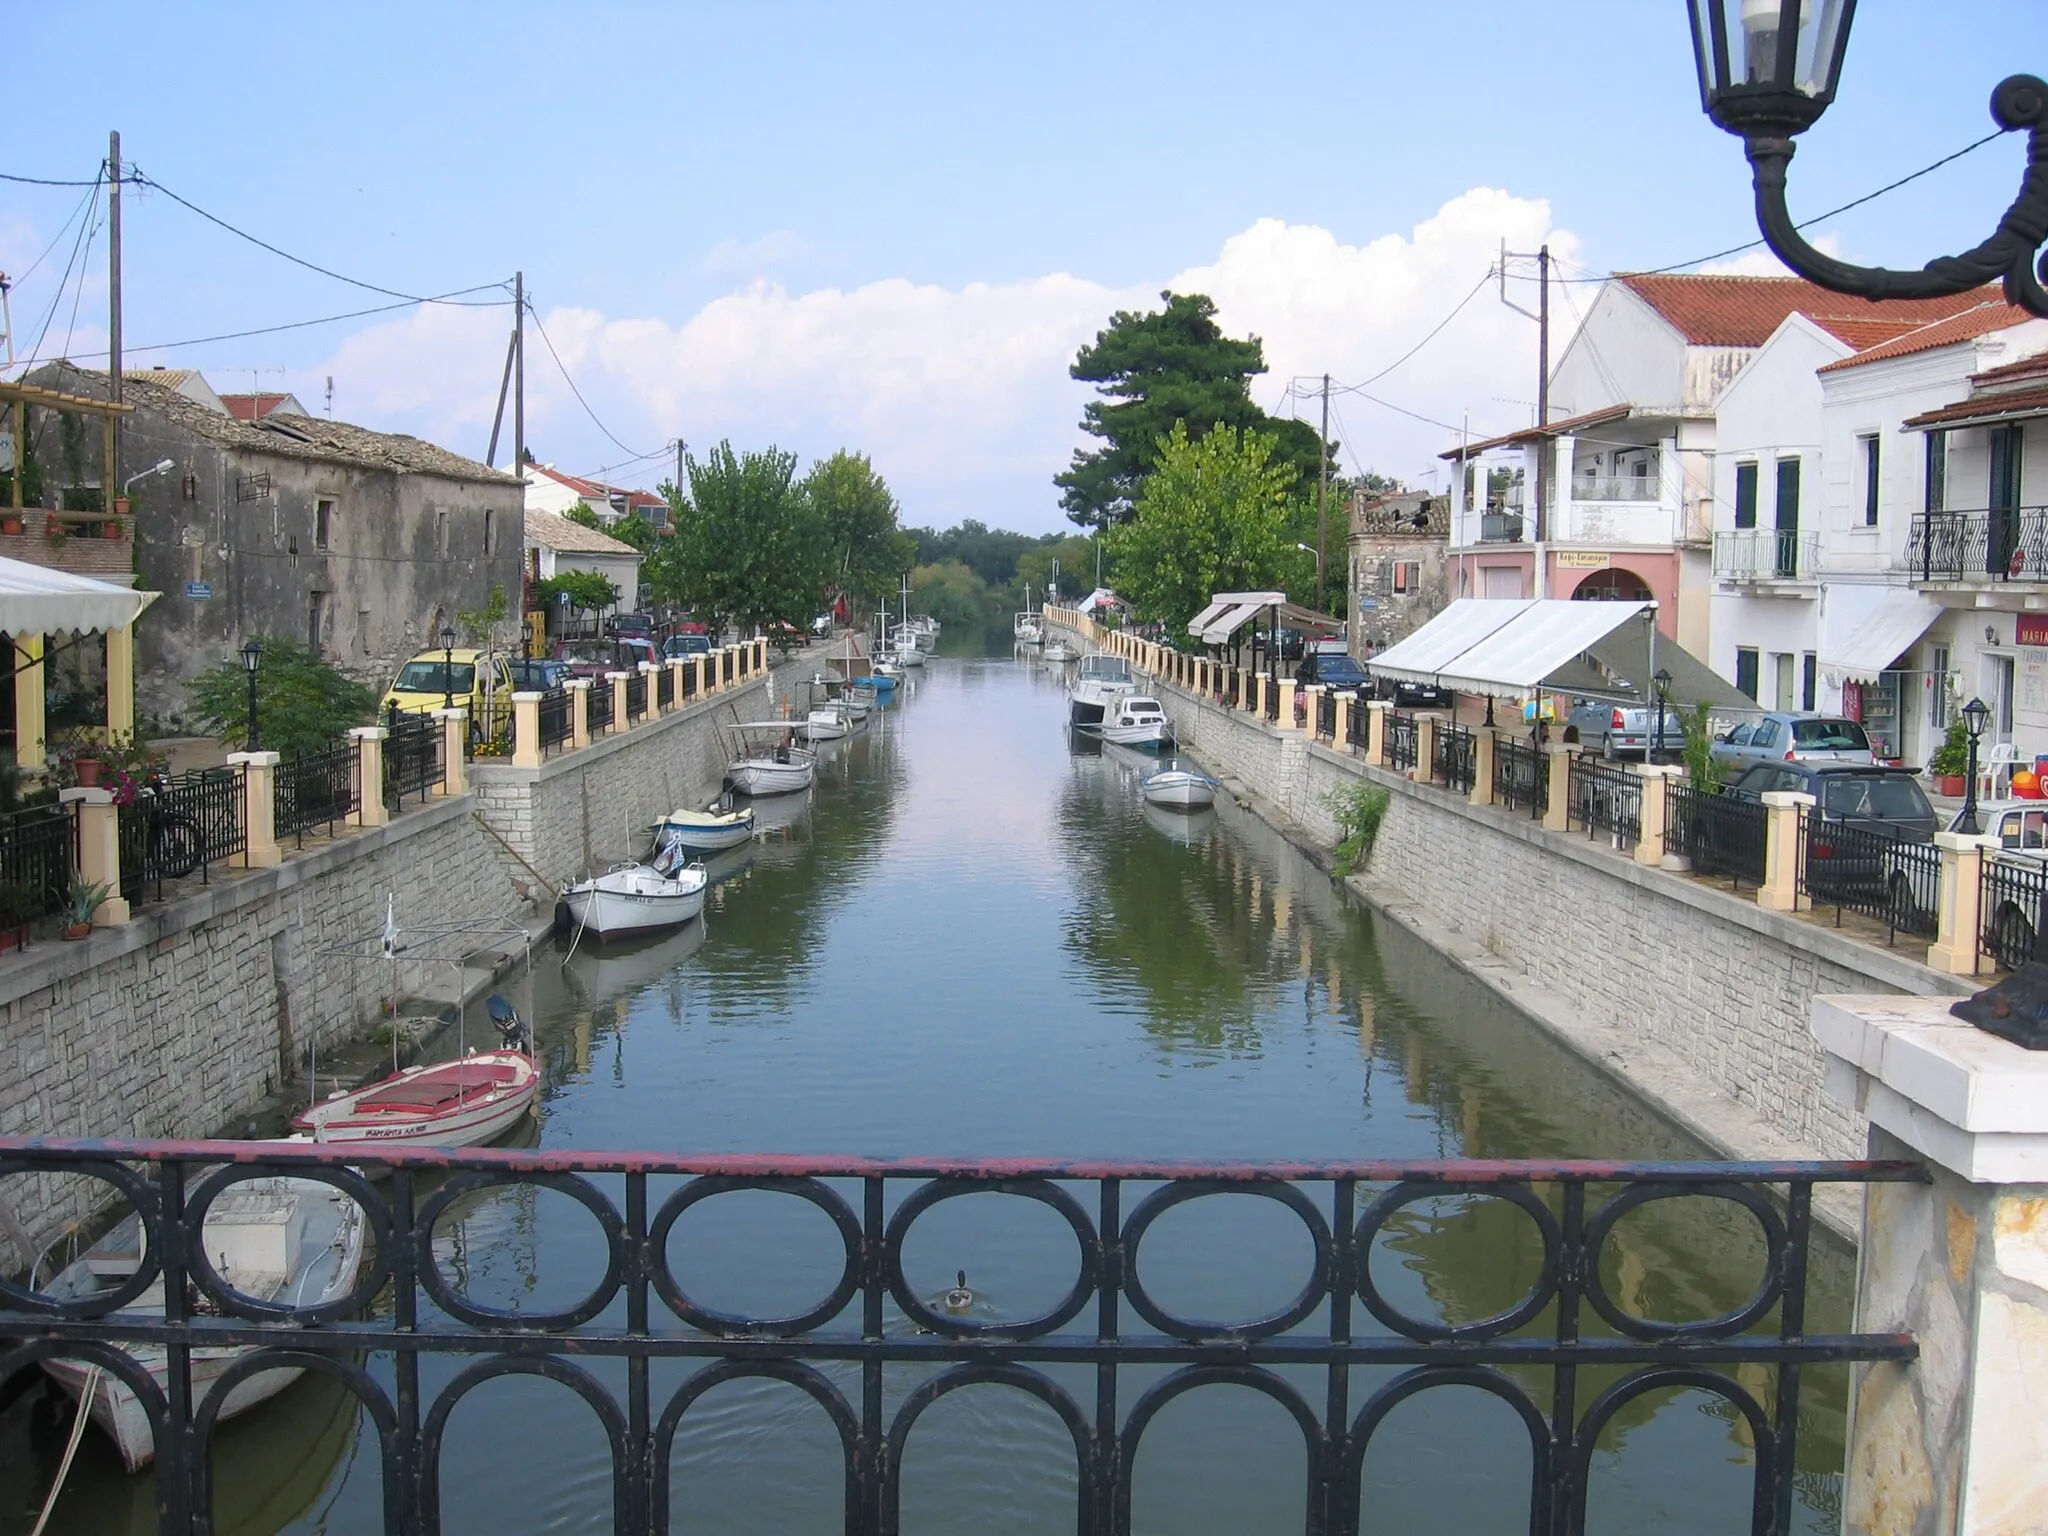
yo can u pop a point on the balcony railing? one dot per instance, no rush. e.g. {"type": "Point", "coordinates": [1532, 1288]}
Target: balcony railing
{"type": "Point", "coordinates": [1615, 488]}
{"type": "Point", "coordinates": [1500, 527]}
{"type": "Point", "coordinates": [1766, 554]}
{"type": "Point", "coordinates": [1979, 546]}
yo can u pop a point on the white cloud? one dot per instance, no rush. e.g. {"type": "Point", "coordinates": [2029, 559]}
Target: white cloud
{"type": "Point", "coordinates": [961, 395]}
{"type": "Point", "coordinates": [1762, 263]}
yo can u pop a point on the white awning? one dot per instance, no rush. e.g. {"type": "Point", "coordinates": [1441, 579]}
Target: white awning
{"type": "Point", "coordinates": [1423, 655]}
{"type": "Point", "coordinates": [1547, 635]}
{"type": "Point", "coordinates": [1235, 617]}
{"type": "Point", "coordinates": [1206, 617]}
{"type": "Point", "coordinates": [1900, 617]}
{"type": "Point", "coordinates": [36, 600]}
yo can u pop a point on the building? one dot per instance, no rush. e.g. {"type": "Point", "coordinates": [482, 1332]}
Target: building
{"type": "Point", "coordinates": [1399, 550]}
{"type": "Point", "coordinates": [256, 407]}
{"type": "Point", "coordinates": [550, 490]}
{"type": "Point", "coordinates": [361, 544]}
{"type": "Point", "coordinates": [555, 546]}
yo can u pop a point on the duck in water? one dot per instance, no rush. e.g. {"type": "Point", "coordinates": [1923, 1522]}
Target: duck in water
{"type": "Point", "coordinates": [960, 1300]}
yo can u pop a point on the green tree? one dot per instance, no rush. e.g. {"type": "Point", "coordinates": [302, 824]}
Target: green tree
{"type": "Point", "coordinates": [1075, 555]}
{"type": "Point", "coordinates": [954, 595]}
{"type": "Point", "coordinates": [749, 547]}
{"type": "Point", "coordinates": [587, 591]}
{"type": "Point", "coordinates": [1214, 517]}
{"type": "Point", "coordinates": [635, 530]}
{"type": "Point", "coordinates": [581, 513]}
{"type": "Point", "coordinates": [1155, 369]}
{"type": "Point", "coordinates": [477, 623]}
{"type": "Point", "coordinates": [302, 703]}
{"type": "Point", "coordinates": [866, 548]}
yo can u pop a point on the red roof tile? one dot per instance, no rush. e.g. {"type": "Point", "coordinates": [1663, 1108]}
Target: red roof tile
{"type": "Point", "coordinates": [1981, 319]}
{"type": "Point", "coordinates": [2013, 373]}
{"type": "Point", "coordinates": [1561, 428]}
{"type": "Point", "coordinates": [1997, 406]}
{"type": "Point", "coordinates": [597, 490]}
{"type": "Point", "coordinates": [253, 407]}
{"type": "Point", "coordinates": [1743, 311]}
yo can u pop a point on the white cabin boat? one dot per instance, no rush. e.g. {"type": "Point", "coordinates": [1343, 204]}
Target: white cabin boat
{"type": "Point", "coordinates": [1059, 651]}
{"type": "Point", "coordinates": [1138, 721]}
{"type": "Point", "coordinates": [826, 722]}
{"type": "Point", "coordinates": [1100, 684]}
{"type": "Point", "coordinates": [1026, 629]}
{"type": "Point", "coordinates": [631, 899]}
{"type": "Point", "coordinates": [1178, 789]}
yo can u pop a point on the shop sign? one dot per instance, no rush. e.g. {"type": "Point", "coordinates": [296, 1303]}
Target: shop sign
{"type": "Point", "coordinates": [2030, 629]}
{"type": "Point", "coordinates": [1581, 559]}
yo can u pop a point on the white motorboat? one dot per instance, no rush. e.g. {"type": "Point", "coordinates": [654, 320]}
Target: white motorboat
{"type": "Point", "coordinates": [288, 1242]}
{"type": "Point", "coordinates": [827, 722]}
{"type": "Point", "coordinates": [1025, 629]}
{"type": "Point", "coordinates": [1178, 789]}
{"type": "Point", "coordinates": [1138, 721]}
{"type": "Point", "coordinates": [908, 654]}
{"type": "Point", "coordinates": [705, 831]}
{"type": "Point", "coordinates": [779, 768]}
{"type": "Point", "coordinates": [1100, 684]}
{"type": "Point", "coordinates": [1057, 650]}
{"type": "Point", "coordinates": [636, 898]}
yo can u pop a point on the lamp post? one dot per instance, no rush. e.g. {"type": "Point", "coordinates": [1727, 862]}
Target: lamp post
{"type": "Point", "coordinates": [1771, 76]}
{"type": "Point", "coordinates": [154, 469]}
{"type": "Point", "coordinates": [447, 666]}
{"type": "Point", "coordinates": [1663, 681]}
{"type": "Point", "coordinates": [1310, 549]}
{"type": "Point", "coordinates": [1976, 716]}
{"type": "Point", "coordinates": [252, 658]}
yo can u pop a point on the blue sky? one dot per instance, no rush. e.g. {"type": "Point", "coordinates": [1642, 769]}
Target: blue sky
{"type": "Point", "coordinates": [887, 226]}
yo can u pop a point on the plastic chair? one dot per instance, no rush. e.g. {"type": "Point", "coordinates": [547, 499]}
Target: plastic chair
{"type": "Point", "coordinates": [2002, 758]}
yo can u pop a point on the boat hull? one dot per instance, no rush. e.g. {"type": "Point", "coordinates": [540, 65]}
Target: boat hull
{"type": "Point", "coordinates": [764, 776]}
{"type": "Point", "coordinates": [618, 914]}
{"type": "Point", "coordinates": [1154, 735]}
{"type": "Point", "coordinates": [471, 1120]}
{"type": "Point", "coordinates": [1176, 791]}
{"type": "Point", "coordinates": [706, 837]}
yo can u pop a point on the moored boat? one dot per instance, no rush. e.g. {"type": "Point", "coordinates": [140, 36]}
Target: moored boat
{"type": "Point", "coordinates": [705, 831]}
{"type": "Point", "coordinates": [826, 722]}
{"type": "Point", "coordinates": [636, 898]}
{"type": "Point", "coordinates": [779, 768]}
{"type": "Point", "coordinates": [1179, 789]}
{"type": "Point", "coordinates": [1100, 684]}
{"type": "Point", "coordinates": [1057, 650]}
{"type": "Point", "coordinates": [1137, 721]}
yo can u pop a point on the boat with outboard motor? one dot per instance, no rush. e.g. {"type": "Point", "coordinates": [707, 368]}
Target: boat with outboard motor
{"type": "Point", "coordinates": [1137, 721]}
{"type": "Point", "coordinates": [635, 898]}
{"type": "Point", "coordinates": [780, 768]}
{"type": "Point", "coordinates": [461, 1103]}
{"type": "Point", "coordinates": [711, 830]}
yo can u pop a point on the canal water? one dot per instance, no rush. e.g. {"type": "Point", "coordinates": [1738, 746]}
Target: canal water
{"type": "Point", "coordinates": [974, 939]}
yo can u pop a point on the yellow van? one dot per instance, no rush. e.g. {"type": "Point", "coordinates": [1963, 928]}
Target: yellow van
{"type": "Point", "coordinates": [478, 679]}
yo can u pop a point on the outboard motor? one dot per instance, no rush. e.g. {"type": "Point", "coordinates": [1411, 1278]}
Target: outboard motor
{"type": "Point", "coordinates": [513, 1034]}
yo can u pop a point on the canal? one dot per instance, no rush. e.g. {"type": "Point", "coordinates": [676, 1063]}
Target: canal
{"type": "Point", "coordinates": [974, 939]}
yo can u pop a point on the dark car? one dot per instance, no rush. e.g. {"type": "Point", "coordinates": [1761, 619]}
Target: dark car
{"type": "Point", "coordinates": [1333, 669]}
{"type": "Point", "coordinates": [631, 624]}
{"type": "Point", "coordinates": [1876, 806]}
{"type": "Point", "coordinates": [1406, 695]}
{"type": "Point", "coordinates": [543, 676]}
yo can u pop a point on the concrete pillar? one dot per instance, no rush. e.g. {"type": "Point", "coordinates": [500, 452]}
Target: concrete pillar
{"type": "Point", "coordinates": [1962, 865]}
{"type": "Point", "coordinates": [647, 670]}
{"type": "Point", "coordinates": [698, 687]}
{"type": "Point", "coordinates": [1285, 719]}
{"type": "Point", "coordinates": [120, 684]}
{"type": "Point", "coordinates": [1425, 748]}
{"type": "Point", "coordinates": [1376, 731]}
{"type": "Point", "coordinates": [617, 680]}
{"type": "Point", "coordinates": [30, 749]}
{"type": "Point", "coordinates": [259, 806]}
{"type": "Point", "coordinates": [454, 754]}
{"type": "Point", "coordinates": [526, 751]}
{"type": "Point", "coordinates": [1557, 817]}
{"type": "Point", "coordinates": [99, 850]}
{"type": "Point", "coordinates": [1561, 525]}
{"type": "Point", "coordinates": [1342, 739]}
{"type": "Point", "coordinates": [676, 694]}
{"type": "Point", "coordinates": [761, 655]}
{"type": "Point", "coordinates": [579, 712]}
{"type": "Point", "coordinates": [1312, 708]}
{"type": "Point", "coordinates": [1780, 892]}
{"type": "Point", "coordinates": [1656, 779]}
{"type": "Point", "coordinates": [1954, 1442]}
{"type": "Point", "coordinates": [1482, 767]}
{"type": "Point", "coordinates": [370, 810]}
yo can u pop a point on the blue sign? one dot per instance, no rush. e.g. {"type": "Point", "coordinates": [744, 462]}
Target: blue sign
{"type": "Point", "coordinates": [1368, 604]}
{"type": "Point", "coordinates": [198, 591]}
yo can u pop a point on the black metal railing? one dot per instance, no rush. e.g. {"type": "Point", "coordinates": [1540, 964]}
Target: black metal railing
{"type": "Point", "coordinates": [557, 719]}
{"type": "Point", "coordinates": [600, 706]}
{"type": "Point", "coordinates": [38, 854]}
{"type": "Point", "coordinates": [1326, 714]}
{"type": "Point", "coordinates": [1231, 683]}
{"type": "Point", "coordinates": [1567, 1357]}
{"type": "Point", "coordinates": [179, 825]}
{"type": "Point", "coordinates": [1872, 871]}
{"type": "Point", "coordinates": [319, 788]}
{"type": "Point", "coordinates": [686, 681]}
{"type": "Point", "coordinates": [412, 756]}
{"type": "Point", "coordinates": [1400, 739]}
{"type": "Point", "coordinates": [1454, 757]}
{"type": "Point", "coordinates": [1358, 729]}
{"type": "Point", "coordinates": [2010, 896]}
{"type": "Point", "coordinates": [1608, 799]}
{"type": "Point", "coordinates": [1521, 776]}
{"type": "Point", "coordinates": [1718, 833]}
{"type": "Point", "coordinates": [636, 697]}
{"type": "Point", "coordinates": [2010, 545]}
{"type": "Point", "coordinates": [1269, 699]}
{"type": "Point", "coordinates": [664, 693]}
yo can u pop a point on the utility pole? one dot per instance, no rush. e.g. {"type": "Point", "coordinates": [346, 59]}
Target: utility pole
{"type": "Point", "coordinates": [519, 374]}
{"type": "Point", "coordinates": [1540, 520]}
{"type": "Point", "coordinates": [1323, 496]}
{"type": "Point", "coordinates": [110, 444]}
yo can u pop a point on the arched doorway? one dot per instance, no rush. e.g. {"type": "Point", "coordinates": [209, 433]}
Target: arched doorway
{"type": "Point", "coordinates": [1616, 584]}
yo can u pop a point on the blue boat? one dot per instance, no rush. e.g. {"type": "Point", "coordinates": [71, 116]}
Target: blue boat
{"type": "Point", "coordinates": [705, 831]}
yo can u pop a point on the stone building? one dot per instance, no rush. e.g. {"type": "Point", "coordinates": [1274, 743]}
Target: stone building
{"type": "Point", "coordinates": [1399, 547]}
{"type": "Point", "coordinates": [362, 544]}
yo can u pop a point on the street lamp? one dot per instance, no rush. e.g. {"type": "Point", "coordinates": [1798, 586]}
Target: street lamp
{"type": "Point", "coordinates": [1976, 716]}
{"type": "Point", "coordinates": [1769, 79]}
{"type": "Point", "coordinates": [252, 658]}
{"type": "Point", "coordinates": [1663, 682]}
{"type": "Point", "coordinates": [1310, 549]}
{"type": "Point", "coordinates": [447, 666]}
{"type": "Point", "coordinates": [154, 469]}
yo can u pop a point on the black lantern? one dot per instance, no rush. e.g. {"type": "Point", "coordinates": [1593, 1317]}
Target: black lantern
{"type": "Point", "coordinates": [1976, 718]}
{"type": "Point", "coordinates": [1769, 68]}
{"type": "Point", "coordinates": [1663, 682]}
{"type": "Point", "coordinates": [252, 658]}
{"type": "Point", "coordinates": [447, 666]}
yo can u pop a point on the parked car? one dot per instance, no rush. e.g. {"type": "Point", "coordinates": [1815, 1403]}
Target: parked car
{"type": "Point", "coordinates": [682, 647]}
{"type": "Point", "coordinates": [1337, 670]}
{"type": "Point", "coordinates": [543, 676]}
{"type": "Point", "coordinates": [2011, 916]}
{"type": "Point", "coordinates": [1794, 737]}
{"type": "Point", "coordinates": [480, 680]}
{"type": "Point", "coordinates": [594, 658]}
{"type": "Point", "coordinates": [631, 624]}
{"type": "Point", "coordinates": [1406, 695]}
{"type": "Point", "coordinates": [1862, 798]}
{"type": "Point", "coordinates": [1622, 730]}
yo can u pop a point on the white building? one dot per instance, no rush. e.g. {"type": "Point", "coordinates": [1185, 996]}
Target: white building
{"type": "Point", "coordinates": [555, 545]}
{"type": "Point", "coordinates": [551, 490]}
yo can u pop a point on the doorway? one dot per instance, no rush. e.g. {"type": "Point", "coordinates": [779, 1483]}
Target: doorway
{"type": "Point", "coordinates": [1995, 677]}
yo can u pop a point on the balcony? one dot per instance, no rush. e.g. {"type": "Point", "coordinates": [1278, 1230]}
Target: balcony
{"type": "Point", "coordinates": [100, 544]}
{"type": "Point", "coordinates": [2005, 546]}
{"type": "Point", "coordinates": [1500, 527]}
{"type": "Point", "coordinates": [1615, 488]}
{"type": "Point", "coordinates": [1766, 554]}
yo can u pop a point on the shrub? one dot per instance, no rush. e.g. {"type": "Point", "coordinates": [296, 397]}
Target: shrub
{"type": "Point", "coordinates": [1358, 809]}
{"type": "Point", "coordinates": [302, 702]}
{"type": "Point", "coordinates": [1951, 759]}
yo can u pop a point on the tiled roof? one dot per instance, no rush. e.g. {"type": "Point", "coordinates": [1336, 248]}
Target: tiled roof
{"type": "Point", "coordinates": [596, 491]}
{"type": "Point", "coordinates": [572, 538]}
{"type": "Point", "coordinates": [1743, 311]}
{"type": "Point", "coordinates": [1568, 425]}
{"type": "Point", "coordinates": [2001, 405]}
{"type": "Point", "coordinates": [1981, 319]}
{"type": "Point", "coordinates": [2013, 373]}
{"type": "Point", "coordinates": [253, 407]}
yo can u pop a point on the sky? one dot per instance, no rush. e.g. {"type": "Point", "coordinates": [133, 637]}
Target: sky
{"type": "Point", "coordinates": [888, 227]}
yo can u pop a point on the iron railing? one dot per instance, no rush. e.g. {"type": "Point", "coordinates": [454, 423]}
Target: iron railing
{"type": "Point", "coordinates": [412, 756]}
{"type": "Point", "coordinates": [557, 719]}
{"type": "Point", "coordinates": [1870, 870]}
{"type": "Point", "coordinates": [636, 697]}
{"type": "Point", "coordinates": [1521, 775]}
{"type": "Point", "coordinates": [2010, 895]}
{"type": "Point", "coordinates": [1400, 739]}
{"type": "Point", "coordinates": [600, 706]}
{"type": "Point", "coordinates": [1718, 833]}
{"type": "Point", "coordinates": [686, 682]}
{"type": "Point", "coordinates": [321, 787]}
{"type": "Point", "coordinates": [1453, 757]}
{"type": "Point", "coordinates": [1567, 1357]}
{"type": "Point", "coordinates": [1358, 729]}
{"type": "Point", "coordinates": [1766, 554]}
{"type": "Point", "coordinates": [1608, 799]}
{"type": "Point", "coordinates": [1326, 714]}
{"type": "Point", "coordinates": [664, 698]}
{"type": "Point", "coordinates": [1500, 527]}
{"type": "Point", "coordinates": [177, 825]}
{"type": "Point", "coordinates": [1269, 698]}
{"type": "Point", "coordinates": [2010, 545]}
{"type": "Point", "coordinates": [38, 853]}
{"type": "Point", "coordinates": [1232, 682]}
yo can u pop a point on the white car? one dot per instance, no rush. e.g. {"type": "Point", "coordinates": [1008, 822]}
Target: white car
{"type": "Point", "coordinates": [2016, 875]}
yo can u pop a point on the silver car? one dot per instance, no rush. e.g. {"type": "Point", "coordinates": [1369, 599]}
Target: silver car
{"type": "Point", "coordinates": [1794, 737]}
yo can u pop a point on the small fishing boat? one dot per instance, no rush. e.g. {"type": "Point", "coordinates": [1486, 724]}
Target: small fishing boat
{"type": "Point", "coordinates": [461, 1103]}
{"type": "Point", "coordinates": [826, 722]}
{"type": "Point", "coordinates": [1025, 629]}
{"type": "Point", "coordinates": [1138, 721]}
{"type": "Point", "coordinates": [635, 898]}
{"type": "Point", "coordinates": [1179, 789]}
{"type": "Point", "coordinates": [779, 768]}
{"type": "Point", "coordinates": [908, 654]}
{"type": "Point", "coordinates": [286, 1242]}
{"type": "Point", "coordinates": [887, 670]}
{"type": "Point", "coordinates": [1060, 651]}
{"type": "Point", "coordinates": [707, 831]}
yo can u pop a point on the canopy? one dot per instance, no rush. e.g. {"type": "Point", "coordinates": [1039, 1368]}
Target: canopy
{"type": "Point", "coordinates": [1423, 655]}
{"type": "Point", "coordinates": [1900, 617]}
{"type": "Point", "coordinates": [1100, 597]}
{"type": "Point", "coordinates": [1208, 616]}
{"type": "Point", "coordinates": [36, 600]}
{"type": "Point", "coordinates": [1236, 616]}
{"type": "Point", "coordinates": [1544, 637]}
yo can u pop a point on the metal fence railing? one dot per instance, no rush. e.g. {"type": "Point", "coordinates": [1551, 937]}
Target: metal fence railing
{"type": "Point", "coordinates": [1608, 799]}
{"type": "Point", "coordinates": [557, 719]}
{"type": "Point", "coordinates": [2010, 896]}
{"type": "Point", "coordinates": [319, 788]}
{"type": "Point", "coordinates": [1454, 757]}
{"type": "Point", "coordinates": [1400, 739]}
{"type": "Point", "coordinates": [1521, 776]}
{"type": "Point", "coordinates": [600, 706]}
{"type": "Point", "coordinates": [636, 697]}
{"type": "Point", "coordinates": [1270, 698]}
{"type": "Point", "coordinates": [1326, 714]}
{"type": "Point", "coordinates": [664, 698]}
{"type": "Point", "coordinates": [1718, 833]}
{"type": "Point", "coordinates": [38, 853]}
{"type": "Point", "coordinates": [686, 683]}
{"type": "Point", "coordinates": [1359, 728]}
{"type": "Point", "coordinates": [1231, 681]}
{"type": "Point", "coordinates": [1872, 871]}
{"type": "Point", "coordinates": [175, 826]}
{"type": "Point", "coordinates": [412, 757]}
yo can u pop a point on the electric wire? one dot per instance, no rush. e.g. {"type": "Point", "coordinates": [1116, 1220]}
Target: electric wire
{"type": "Point", "coordinates": [55, 240]}
{"type": "Point", "coordinates": [563, 370]}
{"type": "Point", "coordinates": [57, 297]}
{"type": "Point", "coordinates": [47, 181]}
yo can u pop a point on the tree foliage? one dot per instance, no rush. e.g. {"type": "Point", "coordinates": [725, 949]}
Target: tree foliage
{"type": "Point", "coordinates": [954, 595]}
{"type": "Point", "coordinates": [1153, 370]}
{"type": "Point", "coordinates": [749, 546]}
{"type": "Point", "coordinates": [581, 513]}
{"type": "Point", "coordinates": [866, 549]}
{"type": "Point", "coordinates": [1214, 517]}
{"type": "Point", "coordinates": [635, 530]}
{"type": "Point", "coordinates": [590, 591]}
{"type": "Point", "coordinates": [302, 703]}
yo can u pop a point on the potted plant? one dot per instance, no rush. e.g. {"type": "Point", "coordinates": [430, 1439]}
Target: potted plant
{"type": "Point", "coordinates": [1951, 760]}
{"type": "Point", "coordinates": [83, 899]}
{"type": "Point", "coordinates": [10, 521]}
{"type": "Point", "coordinates": [52, 528]}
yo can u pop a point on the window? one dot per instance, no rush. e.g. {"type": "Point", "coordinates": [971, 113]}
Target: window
{"type": "Point", "coordinates": [1937, 691]}
{"type": "Point", "coordinates": [1868, 457]}
{"type": "Point", "coordinates": [441, 532]}
{"type": "Point", "coordinates": [1745, 495]}
{"type": "Point", "coordinates": [1829, 736]}
{"type": "Point", "coordinates": [1808, 680]}
{"type": "Point", "coordinates": [1788, 495]}
{"type": "Point", "coordinates": [1746, 669]}
{"type": "Point", "coordinates": [489, 541]}
{"type": "Point", "coordinates": [1739, 737]}
{"type": "Point", "coordinates": [1407, 575]}
{"type": "Point", "coordinates": [316, 613]}
{"type": "Point", "coordinates": [323, 522]}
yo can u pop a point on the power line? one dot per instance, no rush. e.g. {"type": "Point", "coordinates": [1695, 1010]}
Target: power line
{"type": "Point", "coordinates": [46, 181]}
{"type": "Point", "coordinates": [56, 239]}
{"type": "Point", "coordinates": [57, 298]}
{"type": "Point", "coordinates": [563, 370]}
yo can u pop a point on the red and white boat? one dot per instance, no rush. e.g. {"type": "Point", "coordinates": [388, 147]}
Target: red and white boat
{"type": "Point", "coordinates": [461, 1103]}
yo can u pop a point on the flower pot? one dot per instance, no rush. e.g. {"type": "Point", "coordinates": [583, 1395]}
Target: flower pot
{"type": "Point", "coordinates": [75, 931]}
{"type": "Point", "coordinates": [1950, 784]}
{"type": "Point", "coordinates": [120, 506]}
{"type": "Point", "coordinates": [10, 525]}
{"type": "Point", "coordinates": [88, 771]}
{"type": "Point", "coordinates": [110, 530]}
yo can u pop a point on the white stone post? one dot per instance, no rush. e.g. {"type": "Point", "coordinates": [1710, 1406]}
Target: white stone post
{"type": "Point", "coordinates": [1780, 890]}
{"type": "Point", "coordinates": [647, 671]}
{"type": "Point", "coordinates": [1376, 731]}
{"type": "Point", "coordinates": [617, 680]}
{"type": "Point", "coordinates": [579, 712]}
{"type": "Point", "coordinates": [1482, 767]}
{"type": "Point", "coordinates": [1957, 911]}
{"type": "Point", "coordinates": [454, 753]}
{"type": "Point", "coordinates": [1656, 779]}
{"type": "Point", "coordinates": [1557, 813]}
{"type": "Point", "coordinates": [370, 810]}
{"type": "Point", "coordinates": [1285, 719]}
{"type": "Point", "coordinates": [99, 850]}
{"type": "Point", "coordinates": [1340, 737]}
{"type": "Point", "coordinates": [259, 807]}
{"type": "Point", "coordinates": [676, 697]}
{"type": "Point", "coordinates": [526, 752]}
{"type": "Point", "coordinates": [1425, 748]}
